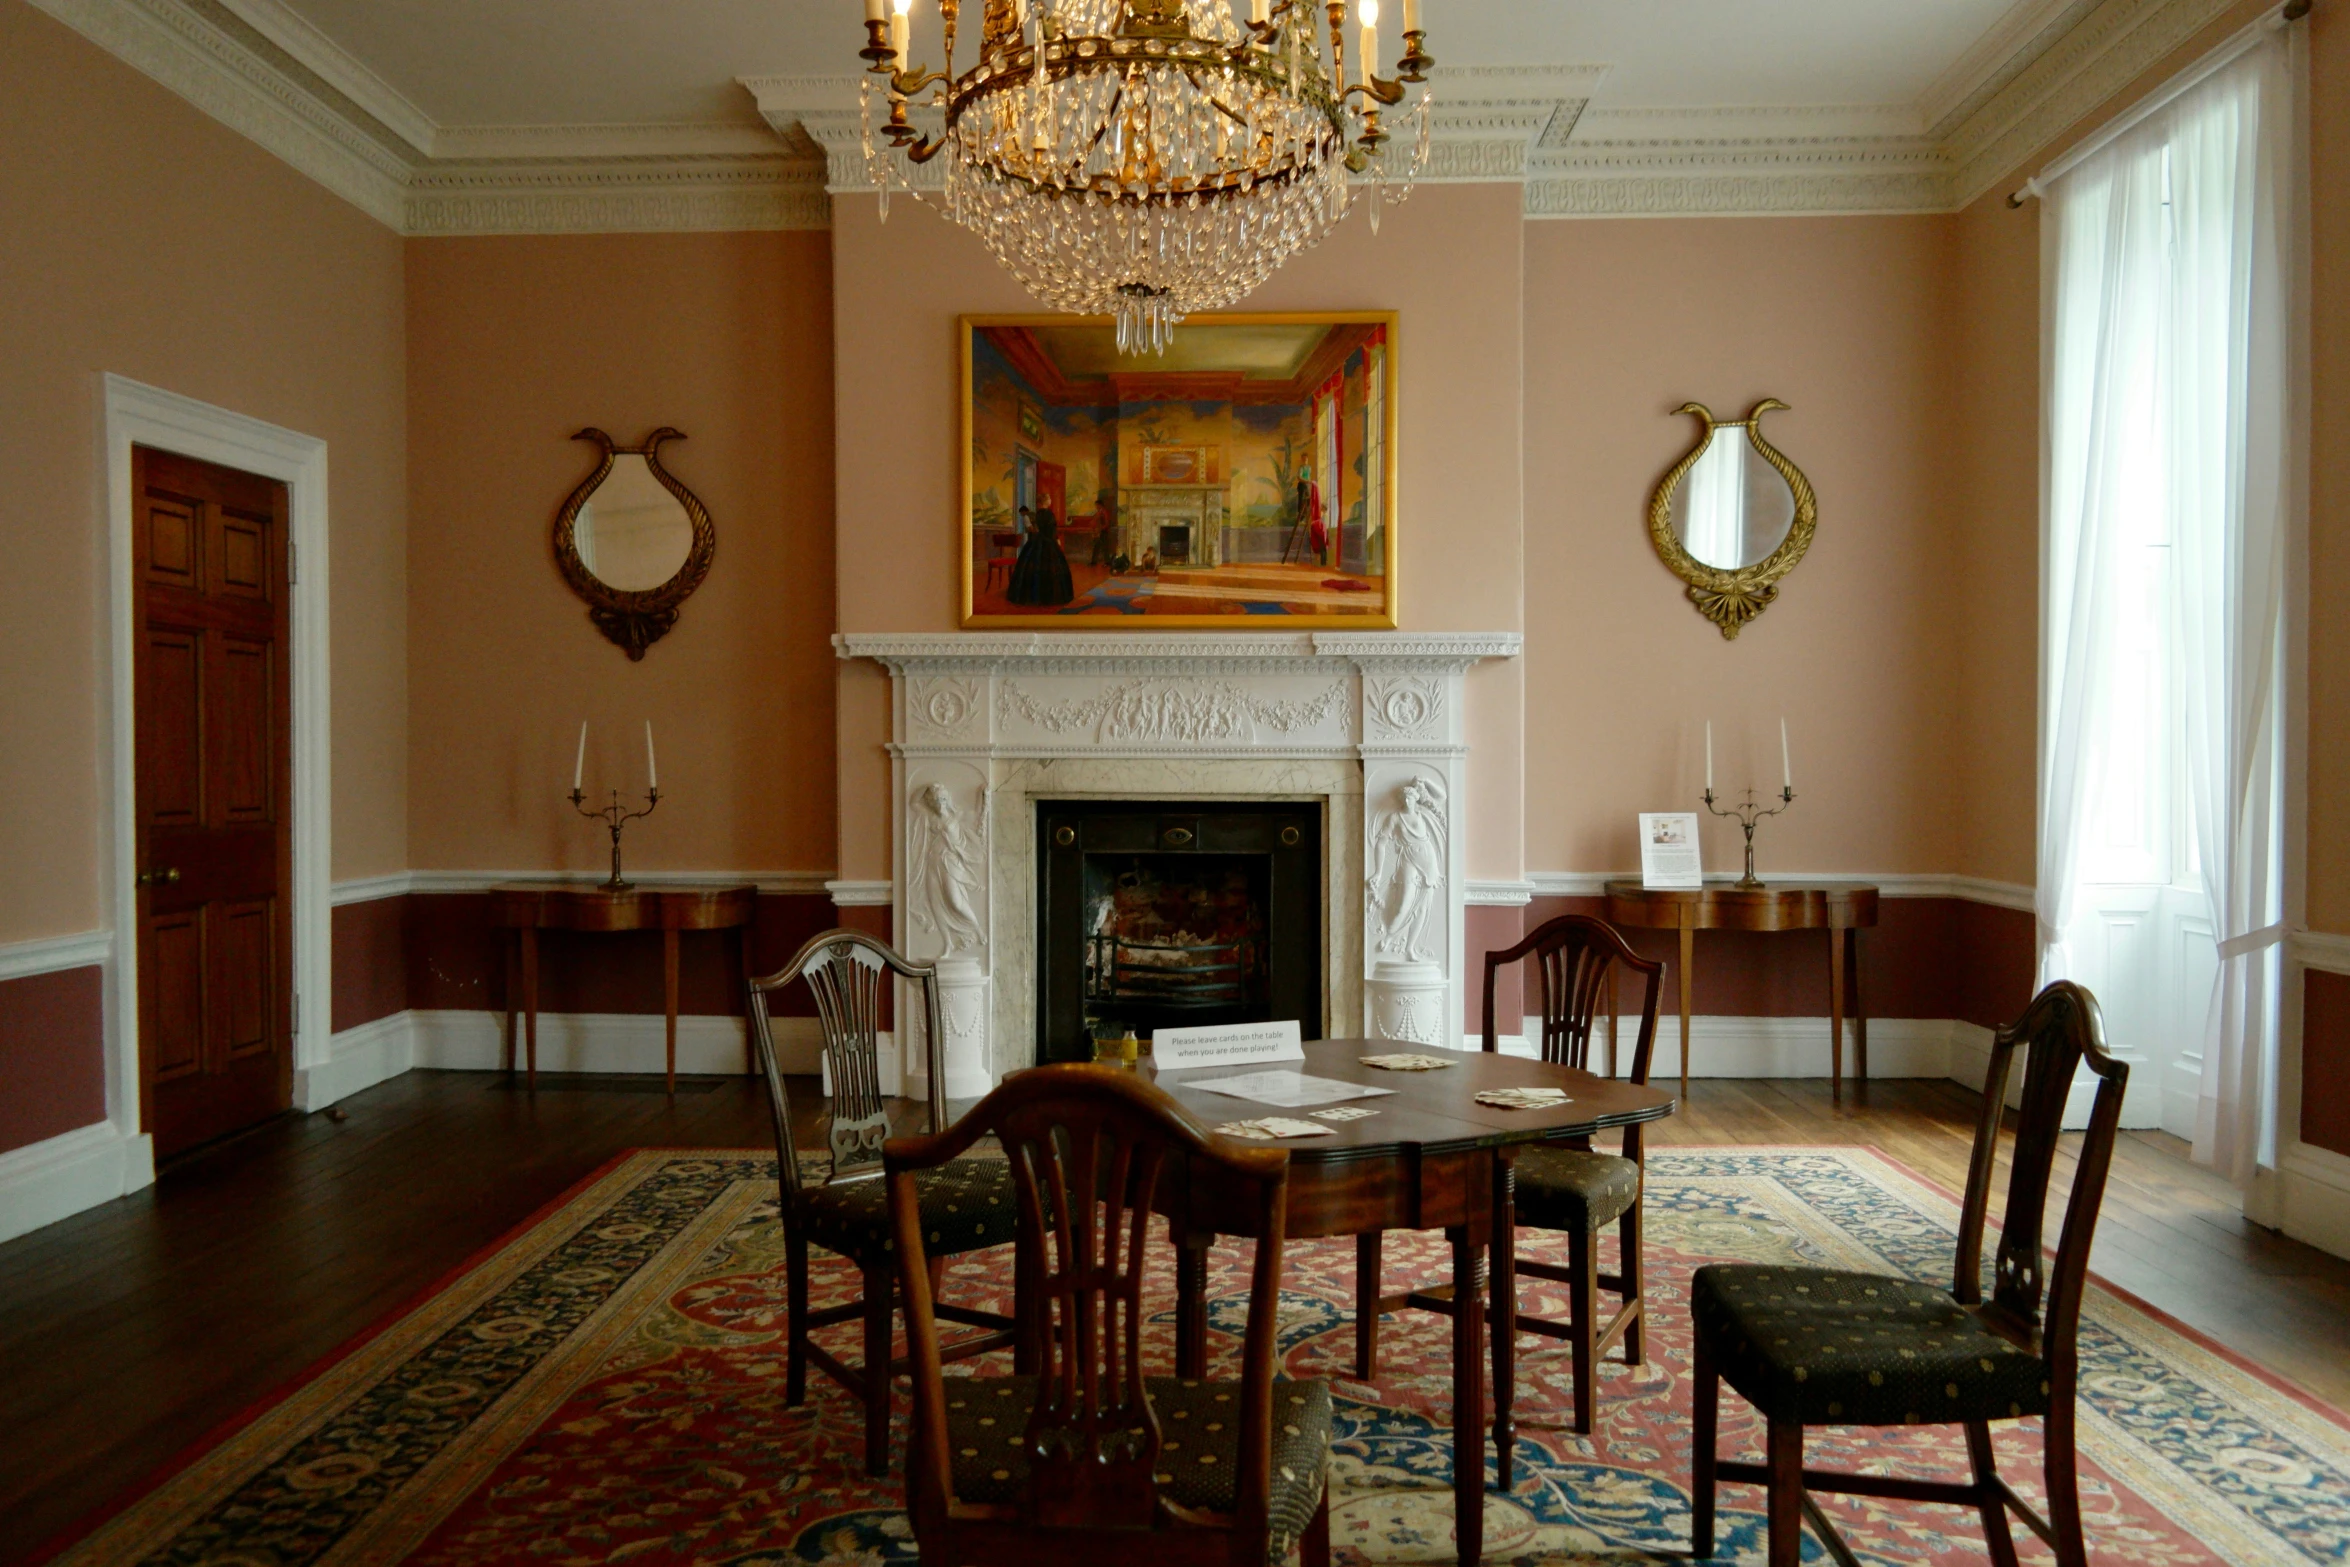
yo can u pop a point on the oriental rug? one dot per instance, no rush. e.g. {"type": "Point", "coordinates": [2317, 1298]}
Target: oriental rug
{"type": "Point", "coordinates": [608, 1386]}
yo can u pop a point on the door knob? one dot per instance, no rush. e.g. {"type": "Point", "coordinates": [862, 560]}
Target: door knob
{"type": "Point", "coordinates": [167, 877]}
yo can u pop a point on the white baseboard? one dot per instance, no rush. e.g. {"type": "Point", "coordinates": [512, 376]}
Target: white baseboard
{"type": "Point", "coordinates": [62, 1175]}
{"type": "Point", "coordinates": [358, 1058]}
{"type": "Point", "coordinates": [1777, 1046]}
{"type": "Point", "coordinates": [607, 1042]}
{"type": "Point", "coordinates": [1970, 1064]}
{"type": "Point", "coordinates": [2312, 1197]}
{"type": "Point", "coordinates": [1970, 1055]}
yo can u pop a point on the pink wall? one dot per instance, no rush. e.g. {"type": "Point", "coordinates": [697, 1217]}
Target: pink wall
{"type": "Point", "coordinates": [1843, 319]}
{"type": "Point", "coordinates": [143, 238]}
{"type": "Point", "coordinates": [516, 343]}
{"type": "Point", "coordinates": [1448, 260]}
{"type": "Point", "coordinates": [2329, 476]}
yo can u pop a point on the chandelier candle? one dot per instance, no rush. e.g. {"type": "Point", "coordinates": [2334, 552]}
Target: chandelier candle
{"type": "Point", "coordinates": [1146, 159]}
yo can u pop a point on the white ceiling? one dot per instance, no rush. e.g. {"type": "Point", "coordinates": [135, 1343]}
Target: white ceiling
{"type": "Point", "coordinates": [629, 62]}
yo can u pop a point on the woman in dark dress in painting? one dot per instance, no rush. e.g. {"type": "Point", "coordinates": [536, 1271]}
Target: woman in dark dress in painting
{"type": "Point", "coordinates": [1041, 574]}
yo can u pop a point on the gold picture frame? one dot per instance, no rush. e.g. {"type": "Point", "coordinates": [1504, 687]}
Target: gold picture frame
{"type": "Point", "coordinates": [1246, 479]}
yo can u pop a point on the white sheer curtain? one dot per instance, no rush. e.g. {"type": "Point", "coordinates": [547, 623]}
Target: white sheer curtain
{"type": "Point", "coordinates": [2165, 375]}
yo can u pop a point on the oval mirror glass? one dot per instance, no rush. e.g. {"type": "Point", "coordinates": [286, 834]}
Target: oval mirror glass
{"type": "Point", "coordinates": [1731, 509]}
{"type": "Point", "coordinates": [632, 534]}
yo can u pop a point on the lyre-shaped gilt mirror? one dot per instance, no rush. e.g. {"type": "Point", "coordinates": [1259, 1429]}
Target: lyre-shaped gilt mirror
{"type": "Point", "coordinates": [632, 541]}
{"type": "Point", "coordinates": [1732, 517]}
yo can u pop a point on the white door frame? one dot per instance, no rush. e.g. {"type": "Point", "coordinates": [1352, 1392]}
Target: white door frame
{"type": "Point", "coordinates": [142, 415]}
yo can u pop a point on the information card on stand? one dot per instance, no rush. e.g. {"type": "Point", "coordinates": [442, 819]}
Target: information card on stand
{"type": "Point", "coordinates": [1668, 850]}
{"type": "Point", "coordinates": [1226, 1044]}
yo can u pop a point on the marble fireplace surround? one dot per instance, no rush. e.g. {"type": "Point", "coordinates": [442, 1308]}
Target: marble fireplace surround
{"type": "Point", "coordinates": [1368, 723]}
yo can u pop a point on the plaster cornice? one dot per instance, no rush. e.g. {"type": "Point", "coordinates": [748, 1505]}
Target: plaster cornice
{"type": "Point", "coordinates": [260, 68]}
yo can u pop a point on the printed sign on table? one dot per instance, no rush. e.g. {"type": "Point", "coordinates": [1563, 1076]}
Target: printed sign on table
{"type": "Point", "coordinates": [1225, 1044]}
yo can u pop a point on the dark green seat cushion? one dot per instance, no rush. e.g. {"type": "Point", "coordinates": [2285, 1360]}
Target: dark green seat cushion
{"type": "Point", "coordinates": [1562, 1188]}
{"type": "Point", "coordinates": [1832, 1348]}
{"type": "Point", "coordinates": [966, 1204]}
{"type": "Point", "coordinates": [1199, 1433]}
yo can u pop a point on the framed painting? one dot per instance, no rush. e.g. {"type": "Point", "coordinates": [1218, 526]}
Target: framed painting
{"type": "Point", "coordinates": [1245, 476]}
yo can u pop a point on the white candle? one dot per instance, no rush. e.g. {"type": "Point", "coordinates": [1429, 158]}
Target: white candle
{"type": "Point", "coordinates": [579, 761]}
{"type": "Point", "coordinates": [1369, 11]}
{"type": "Point", "coordinates": [1786, 767]}
{"type": "Point", "coordinates": [652, 773]}
{"type": "Point", "coordinates": [1709, 756]}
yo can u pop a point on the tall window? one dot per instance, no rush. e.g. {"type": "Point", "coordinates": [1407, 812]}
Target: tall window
{"type": "Point", "coordinates": [2165, 495]}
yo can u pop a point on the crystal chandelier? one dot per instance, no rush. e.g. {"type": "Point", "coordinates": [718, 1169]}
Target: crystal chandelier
{"type": "Point", "coordinates": [1144, 159]}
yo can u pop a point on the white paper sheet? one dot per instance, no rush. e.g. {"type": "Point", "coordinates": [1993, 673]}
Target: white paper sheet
{"type": "Point", "coordinates": [1289, 1090]}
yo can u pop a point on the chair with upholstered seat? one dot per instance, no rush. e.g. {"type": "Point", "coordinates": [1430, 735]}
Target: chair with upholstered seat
{"type": "Point", "coordinates": [1566, 1187]}
{"type": "Point", "coordinates": [1822, 1346]}
{"type": "Point", "coordinates": [1092, 1460]}
{"type": "Point", "coordinates": [843, 1205]}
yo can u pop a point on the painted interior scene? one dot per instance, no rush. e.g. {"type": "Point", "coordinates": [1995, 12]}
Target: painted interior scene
{"type": "Point", "coordinates": [1244, 472]}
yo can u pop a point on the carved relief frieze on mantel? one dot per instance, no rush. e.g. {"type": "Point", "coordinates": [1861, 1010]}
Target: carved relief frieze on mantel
{"type": "Point", "coordinates": [946, 707]}
{"type": "Point", "coordinates": [1172, 710]}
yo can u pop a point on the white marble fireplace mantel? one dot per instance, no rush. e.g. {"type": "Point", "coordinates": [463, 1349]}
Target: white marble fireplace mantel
{"type": "Point", "coordinates": [985, 724]}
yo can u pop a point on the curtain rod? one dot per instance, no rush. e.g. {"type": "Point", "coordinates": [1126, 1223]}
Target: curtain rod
{"type": "Point", "coordinates": [2037, 186]}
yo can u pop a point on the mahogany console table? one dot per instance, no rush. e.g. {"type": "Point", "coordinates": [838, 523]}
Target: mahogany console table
{"type": "Point", "coordinates": [527, 910]}
{"type": "Point", "coordinates": [1839, 910]}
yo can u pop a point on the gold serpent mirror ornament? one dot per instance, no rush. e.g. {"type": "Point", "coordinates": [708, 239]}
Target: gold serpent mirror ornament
{"type": "Point", "coordinates": [632, 541]}
{"type": "Point", "coordinates": [1732, 517]}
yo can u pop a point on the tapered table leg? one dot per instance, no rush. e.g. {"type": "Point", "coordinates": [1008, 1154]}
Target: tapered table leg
{"type": "Point", "coordinates": [1860, 1013]}
{"type": "Point", "coordinates": [1191, 1305]}
{"type": "Point", "coordinates": [1688, 984]}
{"type": "Point", "coordinates": [1505, 1311]}
{"type": "Point", "coordinates": [530, 999]}
{"type": "Point", "coordinates": [1468, 1390]}
{"type": "Point", "coordinates": [669, 997]}
{"type": "Point", "coordinates": [1836, 1011]}
{"type": "Point", "coordinates": [750, 1045]}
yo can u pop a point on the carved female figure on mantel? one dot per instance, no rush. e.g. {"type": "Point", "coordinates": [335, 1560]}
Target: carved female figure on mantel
{"type": "Point", "coordinates": [944, 870]}
{"type": "Point", "coordinates": [1407, 869]}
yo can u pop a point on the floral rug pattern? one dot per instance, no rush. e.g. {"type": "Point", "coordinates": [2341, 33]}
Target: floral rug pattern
{"type": "Point", "coordinates": [609, 1386]}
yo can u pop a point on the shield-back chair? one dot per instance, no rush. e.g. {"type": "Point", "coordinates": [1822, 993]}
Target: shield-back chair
{"type": "Point", "coordinates": [843, 1204]}
{"type": "Point", "coordinates": [1565, 1186]}
{"type": "Point", "coordinates": [1820, 1346]}
{"type": "Point", "coordinates": [1090, 1460]}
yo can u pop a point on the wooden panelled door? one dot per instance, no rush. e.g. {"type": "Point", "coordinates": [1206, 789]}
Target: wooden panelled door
{"type": "Point", "coordinates": [215, 776]}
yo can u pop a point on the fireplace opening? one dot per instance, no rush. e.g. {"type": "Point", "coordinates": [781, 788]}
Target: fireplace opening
{"type": "Point", "coordinates": [1156, 914]}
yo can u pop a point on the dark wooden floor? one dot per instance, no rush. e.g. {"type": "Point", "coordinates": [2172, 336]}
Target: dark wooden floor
{"type": "Point", "coordinates": [129, 1332]}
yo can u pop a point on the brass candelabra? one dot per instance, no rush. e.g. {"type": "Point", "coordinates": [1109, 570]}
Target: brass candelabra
{"type": "Point", "coordinates": [615, 816]}
{"type": "Point", "coordinates": [1746, 813]}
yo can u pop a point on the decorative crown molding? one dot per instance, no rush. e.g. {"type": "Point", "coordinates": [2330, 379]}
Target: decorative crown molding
{"type": "Point", "coordinates": [599, 196]}
{"type": "Point", "coordinates": [2101, 53]}
{"type": "Point", "coordinates": [264, 72]}
{"type": "Point", "coordinates": [260, 68]}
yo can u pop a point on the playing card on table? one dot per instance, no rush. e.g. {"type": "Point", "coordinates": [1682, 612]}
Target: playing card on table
{"type": "Point", "coordinates": [1341, 1113]}
{"type": "Point", "coordinates": [1271, 1127]}
{"type": "Point", "coordinates": [1523, 1098]}
{"type": "Point", "coordinates": [1406, 1063]}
